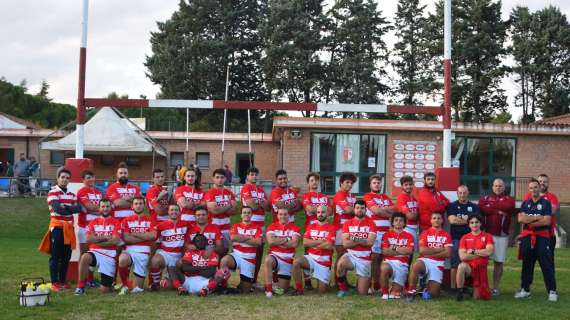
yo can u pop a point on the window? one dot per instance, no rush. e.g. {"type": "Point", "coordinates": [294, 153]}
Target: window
{"type": "Point", "coordinates": [176, 158]}
{"type": "Point", "coordinates": [57, 158]}
{"type": "Point", "coordinates": [133, 161]}
{"type": "Point", "coordinates": [107, 160]}
{"type": "Point", "coordinates": [203, 160]}
{"type": "Point", "coordinates": [363, 154]}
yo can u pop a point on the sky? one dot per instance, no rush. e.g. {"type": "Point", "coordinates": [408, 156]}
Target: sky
{"type": "Point", "coordinates": [40, 41]}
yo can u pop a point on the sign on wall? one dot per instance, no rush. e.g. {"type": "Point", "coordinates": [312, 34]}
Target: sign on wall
{"type": "Point", "coordinates": [412, 158]}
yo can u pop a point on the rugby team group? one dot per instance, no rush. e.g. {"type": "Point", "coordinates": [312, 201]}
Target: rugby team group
{"type": "Point", "coordinates": [188, 235]}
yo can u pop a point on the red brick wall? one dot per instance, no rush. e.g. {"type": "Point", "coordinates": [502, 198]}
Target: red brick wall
{"type": "Point", "coordinates": [297, 158]}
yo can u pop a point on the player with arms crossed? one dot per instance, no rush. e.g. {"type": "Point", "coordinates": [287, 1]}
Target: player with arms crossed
{"type": "Point", "coordinates": [319, 241]}
{"type": "Point", "coordinates": [379, 208]}
{"type": "Point", "coordinates": [358, 236]}
{"type": "Point", "coordinates": [284, 197]}
{"type": "Point", "coordinates": [138, 233]}
{"type": "Point", "coordinates": [103, 235]}
{"type": "Point", "coordinates": [121, 193]}
{"type": "Point", "coordinates": [189, 195]}
{"type": "Point", "coordinates": [397, 247]}
{"type": "Point", "coordinates": [407, 204]}
{"type": "Point", "coordinates": [246, 238]}
{"type": "Point", "coordinates": [221, 204]}
{"type": "Point", "coordinates": [435, 247]}
{"type": "Point", "coordinates": [282, 237]}
{"type": "Point", "coordinates": [158, 197]}
{"type": "Point", "coordinates": [209, 230]}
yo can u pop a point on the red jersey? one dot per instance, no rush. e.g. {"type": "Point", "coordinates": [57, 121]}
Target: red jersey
{"type": "Point", "coordinates": [139, 224]}
{"type": "Point", "coordinates": [171, 235]}
{"type": "Point", "coordinates": [152, 200]}
{"type": "Point", "coordinates": [254, 192]}
{"type": "Point", "coordinates": [476, 242]}
{"type": "Point", "coordinates": [279, 230]}
{"type": "Point", "coordinates": [106, 227]}
{"type": "Point", "coordinates": [432, 238]}
{"type": "Point", "coordinates": [381, 200]}
{"type": "Point", "coordinates": [406, 203]}
{"type": "Point", "coordinates": [430, 200]}
{"type": "Point", "coordinates": [490, 205]}
{"type": "Point", "coordinates": [210, 231]}
{"type": "Point", "coordinates": [553, 199]}
{"type": "Point", "coordinates": [197, 258]}
{"type": "Point", "coordinates": [341, 201]}
{"type": "Point", "coordinates": [191, 194]}
{"type": "Point", "coordinates": [63, 197]}
{"type": "Point", "coordinates": [88, 195]}
{"type": "Point", "coordinates": [118, 191]}
{"type": "Point", "coordinates": [402, 239]}
{"type": "Point", "coordinates": [314, 198]}
{"type": "Point", "coordinates": [359, 229]}
{"type": "Point", "coordinates": [287, 195]}
{"type": "Point", "coordinates": [221, 197]}
{"type": "Point", "coordinates": [317, 231]}
{"type": "Point", "coordinates": [246, 251]}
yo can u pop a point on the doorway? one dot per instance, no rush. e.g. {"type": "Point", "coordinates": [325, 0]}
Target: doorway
{"type": "Point", "coordinates": [242, 164]}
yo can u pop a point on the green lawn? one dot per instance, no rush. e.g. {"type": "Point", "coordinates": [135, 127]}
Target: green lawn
{"type": "Point", "coordinates": [25, 221]}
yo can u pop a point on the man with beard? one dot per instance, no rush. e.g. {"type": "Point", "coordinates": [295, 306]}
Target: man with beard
{"type": "Point", "coordinates": [209, 230]}
{"type": "Point", "coordinates": [284, 197]}
{"type": "Point", "coordinates": [121, 193]}
{"type": "Point", "coordinates": [157, 197]}
{"type": "Point", "coordinates": [430, 200]}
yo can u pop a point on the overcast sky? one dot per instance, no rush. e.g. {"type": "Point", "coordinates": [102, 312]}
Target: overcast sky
{"type": "Point", "coordinates": [40, 40]}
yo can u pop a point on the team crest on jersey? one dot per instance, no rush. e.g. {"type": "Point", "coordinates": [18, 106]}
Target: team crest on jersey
{"type": "Point", "coordinates": [469, 209]}
{"type": "Point", "coordinates": [539, 207]}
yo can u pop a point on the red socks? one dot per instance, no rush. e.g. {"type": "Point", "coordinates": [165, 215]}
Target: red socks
{"type": "Point", "coordinates": [269, 288]}
{"type": "Point", "coordinates": [81, 284]}
{"type": "Point", "coordinates": [376, 286]}
{"type": "Point", "coordinates": [299, 287]}
{"type": "Point", "coordinates": [156, 274]}
{"type": "Point", "coordinates": [124, 275]}
{"type": "Point", "coordinates": [385, 291]}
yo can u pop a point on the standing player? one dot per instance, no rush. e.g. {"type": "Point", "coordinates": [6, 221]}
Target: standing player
{"type": "Point", "coordinates": [284, 197]}
{"type": "Point", "coordinates": [88, 196]}
{"type": "Point", "coordinates": [474, 251]}
{"type": "Point", "coordinates": [103, 236]}
{"type": "Point", "coordinates": [319, 241]}
{"type": "Point", "coordinates": [343, 203]}
{"type": "Point", "coordinates": [498, 208]}
{"type": "Point", "coordinates": [138, 233]}
{"type": "Point", "coordinates": [536, 218]}
{"type": "Point", "coordinates": [209, 230]}
{"type": "Point", "coordinates": [358, 236]}
{"type": "Point", "coordinates": [397, 247]}
{"type": "Point", "coordinates": [189, 195]}
{"type": "Point", "coordinates": [121, 194]}
{"type": "Point", "coordinates": [407, 204]}
{"type": "Point", "coordinates": [282, 237]}
{"type": "Point", "coordinates": [246, 238]}
{"type": "Point", "coordinates": [435, 247]}
{"type": "Point", "coordinates": [379, 208]}
{"type": "Point", "coordinates": [430, 200]}
{"type": "Point", "coordinates": [253, 196]}
{"type": "Point", "coordinates": [312, 199]}
{"type": "Point", "coordinates": [157, 197]}
{"type": "Point", "coordinates": [170, 236]}
{"type": "Point", "coordinates": [221, 204]}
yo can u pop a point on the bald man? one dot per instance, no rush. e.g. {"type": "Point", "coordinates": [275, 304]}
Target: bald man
{"type": "Point", "coordinates": [498, 209]}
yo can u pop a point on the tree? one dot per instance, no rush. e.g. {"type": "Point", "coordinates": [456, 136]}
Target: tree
{"type": "Point", "coordinates": [292, 39]}
{"type": "Point", "coordinates": [44, 90]}
{"type": "Point", "coordinates": [191, 52]}
{"type": "Point", "coordinates": [358, 52]}
{"type": "Point", "coordinates": [412, 59]}
{"type": "Point", "coordinates": [479, 35]}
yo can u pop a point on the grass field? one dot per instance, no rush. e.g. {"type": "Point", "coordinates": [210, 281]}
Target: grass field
{"type": "Point", "coordinates": [24, 221]}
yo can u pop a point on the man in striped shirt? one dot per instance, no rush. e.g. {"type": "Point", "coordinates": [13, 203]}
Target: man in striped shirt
{"type": "Point", "coordinates": [122, 193]}
{"type": "Point", "coordinates": [221, 203]}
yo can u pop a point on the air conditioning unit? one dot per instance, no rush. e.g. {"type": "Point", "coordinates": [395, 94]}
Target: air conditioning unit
{"type": "Point", "coordinates": [296, 134]}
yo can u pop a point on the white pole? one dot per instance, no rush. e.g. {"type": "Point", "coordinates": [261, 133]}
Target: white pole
{"type": "Point", "coordinates": [225, 115]}
{"type": "Point", "coordinates": [80, 132]}
{"type": "Point", "coordinates": [187, 130]}
{"type": "Point", "coordinates": [447, 86]}
{"type": "Point", "coordinates": [249, 135]}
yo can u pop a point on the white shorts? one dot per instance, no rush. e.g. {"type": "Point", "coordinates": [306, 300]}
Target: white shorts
{"type": "Point", "coordinates": [283, 268]}
{"type": "Point", "coordinates": [195, 283]}
{"type": "Point", "coordinates": [82, 235]}
{"type": "Point", "coordinates": [226, 239]}
{"type": "Point", "coordinates": [434, 269]}
{"type": "Point", "coordinates": [377, 246]}
{"type": "Point", "coordinates": [399, 271]}
{"type": "Point", "coordinates": [245, 267]}
{"type": "Point", "coordinates": [105, 263]}
{"type": "Point", "coordinates": [361, 266]}
{"type": "Point", "coordinates": [139, 262]}
{"type": "Point", "coordinates": [500, 250]}
{"type": "Point", "coordinates": [170, 258]}
{"type": "Point", "coordinates": [338, 239]}
{"type": "Point", "coordinates": [414, 232]}
{"type": "Point", "coordinates": [318, 271]}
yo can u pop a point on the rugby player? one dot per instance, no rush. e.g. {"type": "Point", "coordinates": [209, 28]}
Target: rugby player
{"type": "Point", "coordinates": [189, 195]}
{"type": "Point", "coordinates": [397, 247]}
{"type": "Point", "coordinates": [209, 230]}
{"type": "Point", "coordinates": [221, 204]}
{"type": "Point", "coordinates": [284, 197]}
{"type": "Point", "coordinates": [121, 194]}
{"type": "Point", "coordinates": [430, 200]}
{"type": "Point", "coordinates": [343, 204]}
{"type": "Point", "coordinates": [158, 197]}
{"type": "Point", "coordinates": [406, 203]}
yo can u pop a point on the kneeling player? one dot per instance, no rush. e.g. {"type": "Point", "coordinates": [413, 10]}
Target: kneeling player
{"type": "Point", "coordinates": [199, 267]}
{"type": "Point", "coordinates": [246, 238]}
{"type": "Point", "coordinates": [283, 237]}
{"type": "Point", "coordinates": [139, 233]}
{"type": "Point", "coordinates": [170, 236]}
{"type": "Point", "coordinates": [435, 247]}
{"type": "Point", "coordinates": [319, 241]}
{"type": "Point", "coordinates": [103, 237]}
{"type": "Point", "coordinates": [397, 246]}
{"type": "Point", "coordinates": [358, 236]}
